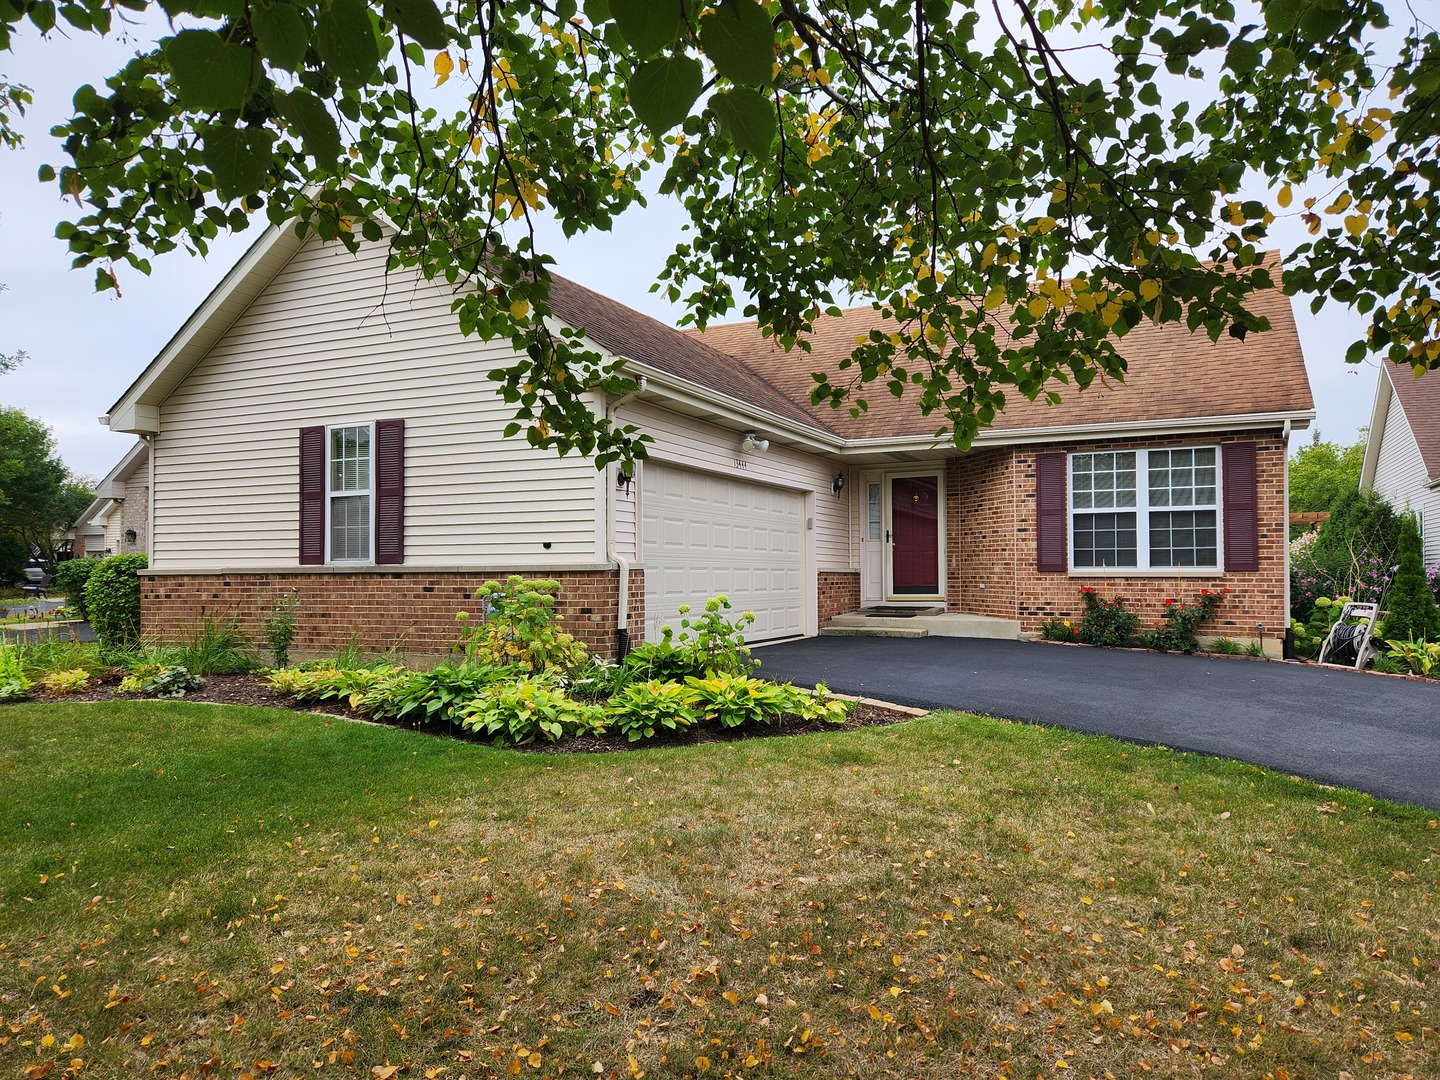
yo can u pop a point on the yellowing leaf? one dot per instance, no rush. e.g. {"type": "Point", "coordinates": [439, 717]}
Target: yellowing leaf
{"type": "Point", "coordinates": [1038, 306]}
{"type": "Point", "coordinates": [534, 1059]}
{"type": "Point", "coordinates": [1285, 196]}
{"type": "Point", "coordinates": [1355, 224]}
{"type": "Point", "coordinates": [994, 298]}
{"type": "Point", "coordinates": [519, 309]}
{"type": "Point", "coordinates": [443, 67]}
{"type": "Point", "coordinates": [1149, 289]}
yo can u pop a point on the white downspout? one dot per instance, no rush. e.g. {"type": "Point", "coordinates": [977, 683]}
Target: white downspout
{"type": "Point", "coordinates": [1285, 438]}
{"type": "Point", "coordinates": [149, 441]}
{"type": "Point", "coordinates": [612, 554]}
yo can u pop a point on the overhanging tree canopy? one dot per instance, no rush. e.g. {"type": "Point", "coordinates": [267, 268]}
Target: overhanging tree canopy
{"type": "Point", "coordinates": [1017, 182]}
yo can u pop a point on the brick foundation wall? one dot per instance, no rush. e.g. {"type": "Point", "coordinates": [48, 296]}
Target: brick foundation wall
{"type": "Point", "coordinates": [838, 591]}
{"type": "Point", "coordinates": [1254, 597]}
{"type": "Point", "coordinates": [410, 611]}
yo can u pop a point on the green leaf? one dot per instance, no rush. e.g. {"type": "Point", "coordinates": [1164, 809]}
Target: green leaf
{"type": "Point", "coordinates": [45, 174]}
{"type": "Point", "coordinates": [346, 42]}
{"type": "Point", "coordinates": [648, 25]}
{"type": "Point", "coordinates": [1318, 24]}
{"type": "Point", "coordinates": [747, 117]}
{"type": "Point", "coordinates": [307, 116]}
{"type": "Point", "coordinates": [239, 158]}
{"type": "Point", "coordinates": [104, 281]}
{"type": "Point", "coordinates": [1242, 57]}
{"type": "Point", "coordinates": [662, 91]}
{"type": "Point", "coordinates": [740, 42]}
{"type": "Point", "coordinates": [420, 20]}
{"type": "Point", "coordinates": [1282, 15]}
{"type": "Point", "coordinates": [211, 74]}
{"type": "Point", "coordinates": [281, 33]}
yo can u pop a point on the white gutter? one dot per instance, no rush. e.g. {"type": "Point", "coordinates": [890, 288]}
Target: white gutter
{"type": "Point", "coordinates": [1077, 432]}
{"type": "Point", "coordinates": [149, 441]}
{"type": "Point", "coordinates": [612, 553]}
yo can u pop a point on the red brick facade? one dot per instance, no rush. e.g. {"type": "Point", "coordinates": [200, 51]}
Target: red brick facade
{"type": "Point", "coordinates": [991, 542]}
{"type": "Point", "coordinates": [408, 611]}
{"type": "Point", "coordinates": [837, 592]}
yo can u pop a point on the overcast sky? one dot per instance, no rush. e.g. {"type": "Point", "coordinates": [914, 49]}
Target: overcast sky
{"type": "Point", "coordinates": [86, 348]}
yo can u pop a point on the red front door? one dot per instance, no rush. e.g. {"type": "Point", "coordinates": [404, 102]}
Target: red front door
{"type": "Point", "coordinates": [915, 543]}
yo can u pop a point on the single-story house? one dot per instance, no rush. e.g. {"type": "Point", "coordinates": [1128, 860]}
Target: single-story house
{"type": "Point", "coordinates": [1402, 450]}
{"type": "Point", "coordinates": [117, 522]}
{"type": "Point", "coordinates": [317, 427]}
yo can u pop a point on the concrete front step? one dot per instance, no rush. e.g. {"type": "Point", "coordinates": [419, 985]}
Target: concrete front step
{"type": "Point", "coordinates": [876, 631]}
{"type": "Point", "coordinates": [943, 624]}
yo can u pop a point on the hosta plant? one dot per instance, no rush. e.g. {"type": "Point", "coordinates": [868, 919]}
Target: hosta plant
{"type": "Point", "coordinates": [519, 712]}
{"type": "Point", "coordinates": [643, 709]}
{"type": "Point", "coordinates": [61, 683]}
{"type": "Point", "coordinates": [173, 681]}
{"type": "Point", "coordinates": [736, 700]}
{"type": "Point", "coordinates": [1418, 657]}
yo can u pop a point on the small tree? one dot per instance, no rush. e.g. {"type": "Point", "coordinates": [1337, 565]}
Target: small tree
{"type": "Point", "coordinates": [112, 598]}
{"type": "Point", "coordinates": [1412, 611]}
{"type": "Point", "coordinates": [1354, 555]}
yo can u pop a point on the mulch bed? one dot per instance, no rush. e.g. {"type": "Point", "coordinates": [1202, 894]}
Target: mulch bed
{"type": "Point", "coordinates": [251, 690]}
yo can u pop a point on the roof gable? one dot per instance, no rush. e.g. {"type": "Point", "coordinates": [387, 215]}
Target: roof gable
{"type": "Point", "coordinates": [1419, 399]}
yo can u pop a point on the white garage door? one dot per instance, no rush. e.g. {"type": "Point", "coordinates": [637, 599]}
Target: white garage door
{"type": "Point", "coordinates": [705, 535]}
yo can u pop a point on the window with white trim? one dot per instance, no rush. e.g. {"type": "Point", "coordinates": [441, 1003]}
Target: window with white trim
{"type": "Point", "coordinates": [1145, 509]}
{"type": "Point", "coordinates": [349, 473]}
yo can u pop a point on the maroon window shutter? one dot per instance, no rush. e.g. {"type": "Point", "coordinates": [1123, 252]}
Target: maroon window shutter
{"type": "Point", "coordinates": [1242, 507]}
{"type": "Point", "coordinates": [312, 496]}
{"type": "Point", "coordinates": [1052, 514]}
{"type": "Point", "coordinates": [389, 491]}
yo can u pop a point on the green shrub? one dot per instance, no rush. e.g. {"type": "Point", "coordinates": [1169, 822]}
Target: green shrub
{"type": "Point", "coordinates": [112, 599]}
{"type": "Point", "coordinates": [1310, 633]}
{"type": "Point", "coordinates": [213, 646]}
{"type": "Point", "coordinates": [519, 627]}
{"type": "Point", "coordinates": [642, 709]}
{"type": "Point", "coordinates": [61, 683]}
{"type": "Point", "coordinates": [518, 712]}
{"type": "Point", "coordinates": [278, 626]}
{"type": "Point", "coordinates": [1226, 646]}
{"type": "Point", "coordinates": [13, 556]}
{"type": "Point", "coordinates": [14, 685]}
{"type": "Point", "coordinates": [1178, 632]}
{"type": "Point", "coordinates": [1106, 622]}
{"type": "Point", "coordinates": [1411, 613]}
{"type": "Point", "coordinates": [70, 578]}
{"type": "Point", "coordinates": [1354, 554]}
{"type": "Point", "coordinates": [664, 661]}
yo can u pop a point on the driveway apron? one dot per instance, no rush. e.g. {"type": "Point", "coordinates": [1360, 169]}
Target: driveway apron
{"type": "Point", "coordinates": [1376, 734]}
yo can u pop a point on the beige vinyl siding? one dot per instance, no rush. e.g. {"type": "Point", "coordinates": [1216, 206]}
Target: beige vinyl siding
{"type": "Point", "coordinates": [1400, 475]}
{"type": "Point", "coordinates": [627, 544]}
{"type": "Point", "coordinates": [113, 531]}
{"type": "Point", "coordinates": [332, 340]}
{"type": "Point", "coordinates": [695, 444]}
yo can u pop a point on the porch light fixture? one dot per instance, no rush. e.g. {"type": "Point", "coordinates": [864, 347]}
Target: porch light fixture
{"type": "Point", "coordinates": [623, 479]}
{"type": "Point", "coordinates": [838, 484]}
{"type": "Point", "coordinates": [753, 444]}
{"type": "Point", "coordinates": [130, 536]}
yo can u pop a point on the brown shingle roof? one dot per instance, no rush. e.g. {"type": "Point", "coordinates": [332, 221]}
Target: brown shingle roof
{"type": "Point", "coordinates": [1173, 374]}
{"type": "Point", "coordinates": [626, 332]}
{"type": "Point", "coordinates": [1420, 399]}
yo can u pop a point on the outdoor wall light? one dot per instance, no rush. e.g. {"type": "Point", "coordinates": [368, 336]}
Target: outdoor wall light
{"type": "Point", "coordinates": [752, 444]}
{"type": "Point", "coordinates": [130, 536]}
{"type": "Point", "coordinates": [838, 484]}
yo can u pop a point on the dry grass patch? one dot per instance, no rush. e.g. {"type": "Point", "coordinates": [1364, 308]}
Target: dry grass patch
{"type": "Point", "coordinates": [192, 889]}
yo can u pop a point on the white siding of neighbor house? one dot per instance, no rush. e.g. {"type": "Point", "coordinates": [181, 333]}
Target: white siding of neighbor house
{"type": "Point", "coordinates": [334, 340]}
{"type": "Point", "coordinates": [694, 444]}
{"type": "Point", "coordinates": [1400, 476]}
{"type": "Point", "coordinates": [113, 532]}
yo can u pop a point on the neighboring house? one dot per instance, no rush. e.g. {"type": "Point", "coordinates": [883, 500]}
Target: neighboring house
{"type": "Point", "coordinates": [320, 428]}
{"type": "Point", "coordinates": [118, 521]}
{"type": "Point", "coordinates": [1402, 452]}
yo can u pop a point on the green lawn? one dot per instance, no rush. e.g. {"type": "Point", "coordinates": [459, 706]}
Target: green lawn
{"type": "Point", "coordinates": [193, 889]}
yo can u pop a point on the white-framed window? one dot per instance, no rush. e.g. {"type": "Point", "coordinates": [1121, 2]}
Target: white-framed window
{"type": "Point", "coordinates": [350, 480]}
{"type": "Point", "coordinates": [1145, 509]}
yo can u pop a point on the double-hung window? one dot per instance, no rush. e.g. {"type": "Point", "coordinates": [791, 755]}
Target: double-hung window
{"type": "Point", "coordinates": [1145, 509]}
{"type": "Point", "coordinates": [352, 493]}
{"type": "Point", "coordinates": [351, 478]}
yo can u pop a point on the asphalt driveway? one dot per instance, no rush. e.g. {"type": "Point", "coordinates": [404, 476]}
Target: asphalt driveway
{"type": "Point", "coordinates": [1379, 735]}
